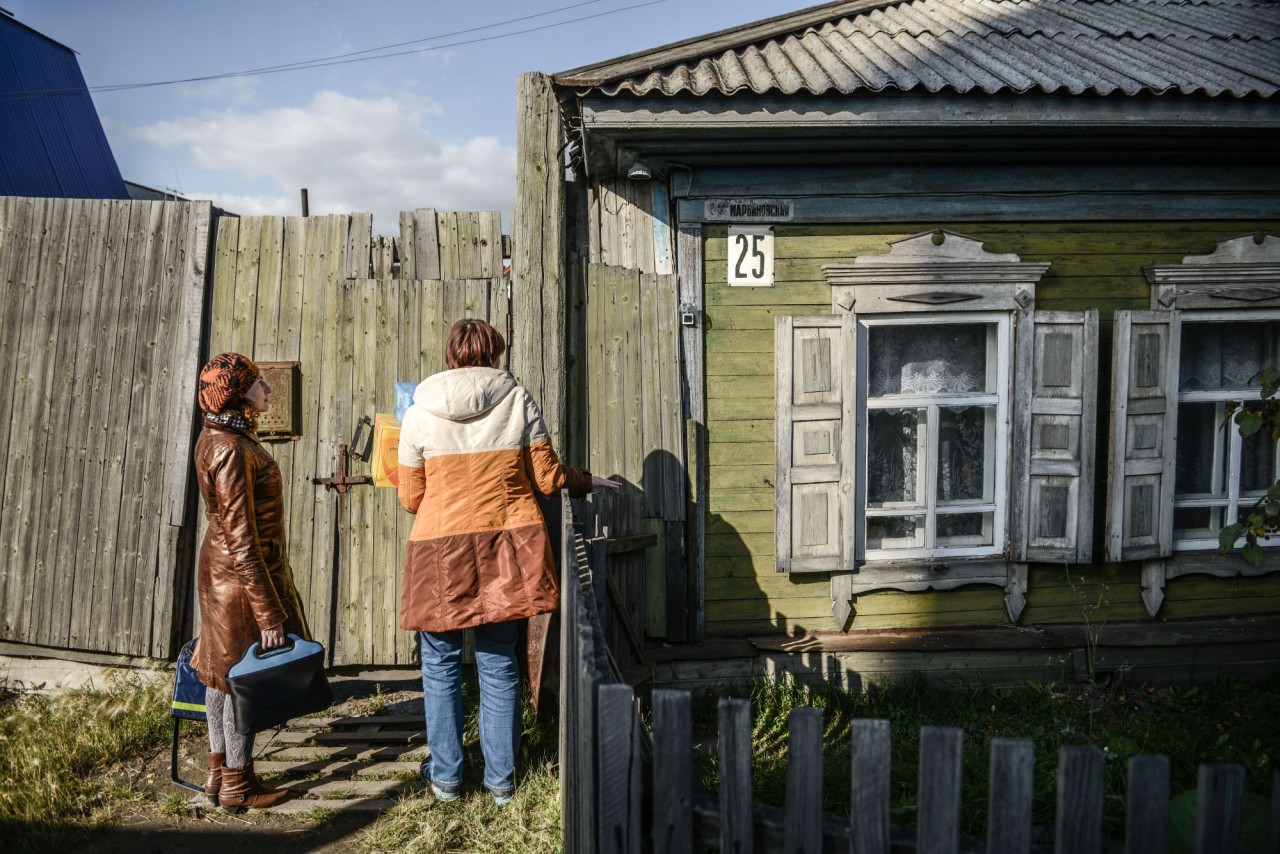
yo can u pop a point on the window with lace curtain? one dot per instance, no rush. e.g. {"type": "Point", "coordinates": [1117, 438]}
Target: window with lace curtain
{"type": "Point", "coordinates": [1219, 474]}
{"type": "Point", "coordinates": [936, 398]}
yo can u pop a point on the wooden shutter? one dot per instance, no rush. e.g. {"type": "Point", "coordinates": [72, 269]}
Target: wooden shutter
{"type": "Point", "coordinates": [1144, 383]}
{"type": "Point", "coordinates": [1055, 418]}
{"type": "Point", "coordinates": [815, 514]}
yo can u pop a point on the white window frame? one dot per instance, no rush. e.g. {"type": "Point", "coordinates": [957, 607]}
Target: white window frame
{"type": "Point", "coordinates": [999, 368]}
{"type": "Point", "coordinates": [1236, 441]}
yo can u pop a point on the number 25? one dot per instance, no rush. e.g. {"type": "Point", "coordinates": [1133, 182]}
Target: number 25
{"type": "Point", "coordinates": [751, 243]}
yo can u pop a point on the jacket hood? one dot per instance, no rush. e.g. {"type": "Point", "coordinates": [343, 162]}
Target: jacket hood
{"type": "Point", "coordinates": [463, 393]}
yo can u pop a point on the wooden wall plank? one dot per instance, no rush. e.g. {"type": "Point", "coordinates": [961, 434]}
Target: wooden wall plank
{"type": "Point", "coordinates": [63, 299]}
{"type": "Point", "coordinates": [651, 446]}
{"type": "Point", "coordinates": [408, 246]}
{"type": "Point", "coordinates": [426, 245]}
{"type": "Point", "coordinates": [21, 243]}
{"type": "Point", "coordinates": [100, 505]}
{"type": "Point", "coordinates": [409, 348]}
{"type": "Point", "coordinates": [137, 512]}
{"type": "Point", "coordinates": [538, 234]}
{"type": "Point", "coordinates": [168, 464]}
{"type": "Point", "coordinates": [267, 314]}
{"type": "Point", "coordinates": [222, 301]}
{"type": "Point", "coordinates": [244, 303]}
{"type": "Point", "coordinates": [357, 257]}
{"type": "Point", "coordinates": [387, 564]}
{"type": "Point", "coordinates": [449, 235]}
{"type": "Point", "coordinates": [311, 523]}
{"type": "Point", "coordinates": [70, 443]}
{"type": "Point", "coordinates": [489, 232]}
{"type": "Point", "coordinates": [334, 425]}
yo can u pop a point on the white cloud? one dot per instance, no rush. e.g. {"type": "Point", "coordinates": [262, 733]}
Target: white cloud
{"type": "Point", "coordinates": [351, 154]}
{"type": "Point", "coordinates": [241, 91]}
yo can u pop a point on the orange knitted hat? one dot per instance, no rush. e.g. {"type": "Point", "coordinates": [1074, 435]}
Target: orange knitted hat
{"type": "Point", "coordinates": [224, 381]}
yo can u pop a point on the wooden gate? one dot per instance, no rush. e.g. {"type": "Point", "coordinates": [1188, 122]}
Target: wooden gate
{"type": "Point", "coordinates": [299, 289]}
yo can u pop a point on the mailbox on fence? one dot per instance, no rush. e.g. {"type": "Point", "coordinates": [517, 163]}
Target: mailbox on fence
{"type": "Point", "coordinates": [283, 421]}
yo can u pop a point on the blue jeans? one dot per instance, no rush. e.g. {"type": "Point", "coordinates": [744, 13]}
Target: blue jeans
{"type": "Point", "coordinates": [441, 654]}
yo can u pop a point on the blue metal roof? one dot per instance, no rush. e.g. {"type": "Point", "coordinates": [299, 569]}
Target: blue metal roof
{"type": "Point", "coordinates": [51, 141]}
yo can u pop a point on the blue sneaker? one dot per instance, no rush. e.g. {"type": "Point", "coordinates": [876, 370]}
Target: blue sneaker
{"type": "Point", "coordinates": [501, 799]}
{"type": "Point", "coordinates": [442, 791]}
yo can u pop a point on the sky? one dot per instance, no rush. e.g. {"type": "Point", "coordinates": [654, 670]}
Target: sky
{"type": "Point", "coordinates": [431, 128]}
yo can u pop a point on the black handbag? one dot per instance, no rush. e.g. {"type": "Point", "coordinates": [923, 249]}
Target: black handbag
{"type": "Point", "coordinates": [271, 687]}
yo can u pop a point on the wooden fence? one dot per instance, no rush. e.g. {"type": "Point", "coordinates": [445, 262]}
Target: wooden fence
{"type": "Point", "coordinates": [624, 789]}
{"type": "Point", "coordinates": [100, 324]}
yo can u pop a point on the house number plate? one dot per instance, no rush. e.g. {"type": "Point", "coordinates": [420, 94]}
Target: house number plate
{"type": "Point", "coordinates": [751, 255]}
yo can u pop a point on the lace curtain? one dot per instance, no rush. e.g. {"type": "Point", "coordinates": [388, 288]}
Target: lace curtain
{"type": "Point", "coordinates": [1226, 355]}
{"type": "Point", "coordinates": [932, 359]}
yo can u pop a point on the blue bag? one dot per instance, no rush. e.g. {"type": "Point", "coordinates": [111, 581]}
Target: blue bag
{"type": "Point", "coordinates": [404, 399]}
{"type": "Point", "coordinates": [187, 704]}
{"type": "Point", "coordinates": [269, 688]}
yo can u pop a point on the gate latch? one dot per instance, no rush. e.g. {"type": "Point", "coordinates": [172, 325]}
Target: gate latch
{"type": "Point", "coordinates": [341, 481]}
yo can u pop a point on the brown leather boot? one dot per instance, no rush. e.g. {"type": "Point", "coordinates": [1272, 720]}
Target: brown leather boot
{"type": "Point", "coordinates": [242, 790]}
{"type": "Point", "coordinates": [213, 782]}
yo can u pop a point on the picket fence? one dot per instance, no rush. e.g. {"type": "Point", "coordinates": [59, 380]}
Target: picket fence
{"type": "Point", "coordinates": [624, 789]}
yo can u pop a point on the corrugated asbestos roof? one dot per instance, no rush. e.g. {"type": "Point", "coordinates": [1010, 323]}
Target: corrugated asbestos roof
{"type": "Point", "coordinates": [1216, 47]}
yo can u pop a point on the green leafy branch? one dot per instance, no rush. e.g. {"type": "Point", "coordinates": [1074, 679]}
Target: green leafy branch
{"type": "Point", "coordinates": [1263, 518]}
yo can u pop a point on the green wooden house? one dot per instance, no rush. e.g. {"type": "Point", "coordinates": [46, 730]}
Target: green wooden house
{"type": "Point", "coordinates": [960, 291]}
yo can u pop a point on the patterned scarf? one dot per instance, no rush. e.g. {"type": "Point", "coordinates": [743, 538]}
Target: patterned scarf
{"type": "Point", "coordinates": [231, 418]}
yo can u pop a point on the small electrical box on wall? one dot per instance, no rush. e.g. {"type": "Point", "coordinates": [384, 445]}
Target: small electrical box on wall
{"type": "Point", "coordinates": [283, 421]}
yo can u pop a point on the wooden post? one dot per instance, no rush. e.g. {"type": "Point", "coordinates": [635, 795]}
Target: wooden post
{"type": "Point", "coordinates": [1219, 809]}
{"type": "Point", "coordinates": [1147, 821]}
{"type": "Point", "coordinates": [869, 808]}
{"type": "Point", "coordinates": [617, 800]}
{"type": "Point", "coordinates": [306, 208]}
{"type": "Point", "coordinates": [672, 830]}
{"type": "Point", "coordinates": [538, 267]}
{"type": "Point", "coordinates": [938, 822]}
{"type": "Point", "coordinates": [802, 826]}
{"type": "Point", "coordinates": [736, 830]}
{"type": "Point", "coordinates": [1078, 826]}
{"type": "Point", "coordinates": [1009, 795]}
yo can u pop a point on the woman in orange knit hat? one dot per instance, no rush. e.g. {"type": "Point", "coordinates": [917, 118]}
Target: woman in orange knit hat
{"type": "Point", "coordinates": [245, 584]}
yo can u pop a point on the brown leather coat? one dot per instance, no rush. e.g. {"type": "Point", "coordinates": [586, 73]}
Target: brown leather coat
{"type": "Point", "coordinates": [244, 580]}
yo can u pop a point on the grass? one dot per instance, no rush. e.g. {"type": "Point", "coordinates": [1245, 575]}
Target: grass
{"type": "Point", "coordinates": [54, 748]}
{"type": "Point", "coordinates": [419, 824]}
{"type": "Point", "coordinates": [1219, 722]}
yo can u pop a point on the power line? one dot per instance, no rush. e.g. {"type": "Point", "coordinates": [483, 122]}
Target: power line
{"type": "Point", "coordinates": [354, 56]}
{"type": "Point", "coordinates": [307, 63]}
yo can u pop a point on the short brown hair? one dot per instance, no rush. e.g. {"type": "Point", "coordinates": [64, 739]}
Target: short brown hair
{"type": "Point", "coordinates": [473, 343]}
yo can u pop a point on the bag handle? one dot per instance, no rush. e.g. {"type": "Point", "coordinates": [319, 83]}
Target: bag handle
{"type": "Point", "coordinates": [280, 650]}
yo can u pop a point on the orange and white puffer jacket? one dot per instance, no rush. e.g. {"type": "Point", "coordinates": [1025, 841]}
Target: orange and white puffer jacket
{"type": "Point", "coordinates": [473, 449]}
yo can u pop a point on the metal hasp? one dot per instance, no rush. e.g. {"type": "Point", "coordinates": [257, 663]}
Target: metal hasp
{"type": "Point", "coordinates": [341, 480]}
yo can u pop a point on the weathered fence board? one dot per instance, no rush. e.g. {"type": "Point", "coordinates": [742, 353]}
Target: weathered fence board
{"type": "Point", "coordinates": [1009, 795]}
{"type": "Point", "coordinates": [1147, 818]}
{"type": "Point", "coordinates": [99, 336]}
